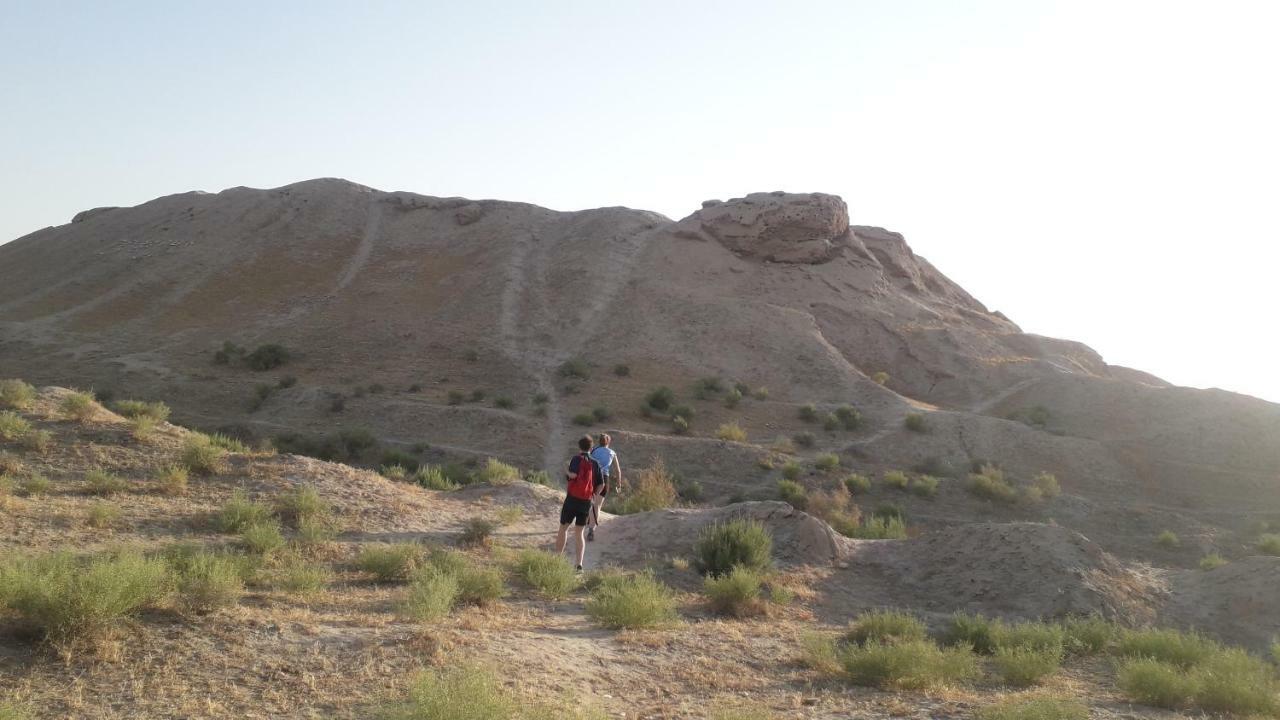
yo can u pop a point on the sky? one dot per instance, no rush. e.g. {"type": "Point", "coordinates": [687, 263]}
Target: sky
{"type": "Point", "coordinates": [1107, 172]}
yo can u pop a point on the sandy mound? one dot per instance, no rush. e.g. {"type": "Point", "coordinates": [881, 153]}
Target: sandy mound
{"type": "Point", "coordinates": [1236, 602]}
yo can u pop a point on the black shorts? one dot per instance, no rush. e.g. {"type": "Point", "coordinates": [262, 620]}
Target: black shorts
{"type": "Point", "coordinates": [575, 511]}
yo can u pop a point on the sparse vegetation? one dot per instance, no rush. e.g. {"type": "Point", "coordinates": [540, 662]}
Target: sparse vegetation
{"type": "Point", "coordinates": [849, 417]}
{"type": "Point", "coordinates": [910, 665]}
{"type": "Point", "coordinates": [1035, 708]}
{"type": "Point", "coordinates": [101, 482]}
{"type": "Point", "coordinates": [896, 479]}
{"type": "Point", "coordinates": [1269, 544]}
{"type": "Point", "coordinates": [857, 484]}
{"type": "Point", "coordinates": [35, 485]}
{"type": "Point", "coordinates": [622, 370]}
{"type": "Point", "coordinates": [200, 455]}
{"type": "Point", "coordinates": [38, 441]}
{"type": "Point", "coordinates": [79, 406]}
{"type": "Point", "coordinates": [302, 502]}
{"type": "Point", "coordinates": [652, 488]}
{"type": "Point", "coordinates": [576, 369]}
{"type": "Point", "coordinates": [433, 478]}
{"type": "Point", "coordinates": [296, 574]}
{"type": "Point", "coordinates": [660, 399]}
{"type": "Point", "coordinates": [206, 580]}
{"type": "Point", "coordinates": [916, 423]}
{"type": "Point", "coordinates": [142, 429]}
{"type": "Point", "coordinates": [826, 462]}
{"type": "Point", "coordinates": [972, 631]}
{"type": "Point", "coordinates": [315, 530]}
{"type": "Point", "coordinates": [722, 547]}
{"type": "Point", "coordinates": [1184, 650]}
{"type": "Point", "coordinates": [925, 486]}
{"type": "Point", "coordinates": [13, 426]}
{"type": "Point", "coordinates": [1025, 666]}
{"type": "Point", "coordinates": [546, 572]}
{"type": "Point", "coordinates": [156, 411]}
{"type": "Point", "coordinates": [880, 378]}
{"type": "Point", "coordinates": [731, 432]}
{"type": "Point", "coordinates": [636, 601]}
{"type": "Point", "coordinates": [463, 692]}
{"type": "Point", "coordinates": [733, 398]}
{"type": "Point", "coordinates": [477, 531]}
{"type": "Point", "coordinates": [791, 470]}
{"type": "Point", "coordinates": [16, 394]}
{"type": "Point", "coordinates": [267, 357]}
{"type": "Point", "coordinates": [390, 562]}
{"type": "Point", "coordinates": [262, 538]}
{"type": "Point", "coordinates": [990, 484]}
{"type": "Point", "coordinates": [876, 528]}
{"type": "Point", "coordinates": [736, 593]}
{"type": "Point", "coordinates": [1168, 540]}
{"type": "Point", "coordinates": [1211, 561]}
{"type": "Point", "coordinates": [808, 412]}
{"type": "Point", "coordinates": [1089, 635]}
{"type": "Point", "coordinates": [430, 596]}
{"type": "Point", "coordinates": [240, 512]}
{"type": "Point", "coordinates": [1047, 485]}
{"type": "Point", "coordinates": [172, 480]}
{"type": "Point", "coordinates": [102, 515]}
{"type": "Point", "coordinates": [885, 626]}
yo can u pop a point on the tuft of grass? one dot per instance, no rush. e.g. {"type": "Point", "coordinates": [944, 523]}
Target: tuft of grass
{"type": "Point", "coordinates": [14, 711]}
{"type": "Point", "coordinates": [9, 464]}
{"type": "Point", "coordinates": [1269, 544]}
{"type": "Point", "coordinates": [156, 411]}
{"type": "Point", "coordinates": [731, 432]}
{"type": "Point", "coordinates": [575, 368]}
{"type": "Point", "coordinates": [496, 472]}
{"type": "Point", "coordinates": [736, 593]}
{"type": "Point", "coordinates": [1168, 540]}
{"type": "Point", "coordinates": [911, 665]}
{"type": "Point", "coordinates": [1026, 666]}
{"type": "Point", "coordinates": [262, 538]}
{"type": "Point", "coordinates": [172, 480]}
{"type": "Point", "coordinates": [1211, 561]}
{"type": "Point", "coordinates": [316, 530]}
{"type": "Point", "coordinates": [885, 627]}
{"type": "Point", "coordinates": [723, 546]}
{"type": "Point", "coordinates": [638, 601]}
{"type": "Point", "coordinates": [16, 394]}
{"type": "Point", "coordinates": [1029, 635]}
{"type": "Point", "coordinates": [896, 479]}
{"type": "Point", "coordinates": [79, 406]}
{"type": "Point", "coordinates": [857, 484]}
{"type": "Point", "coordinates": [1047, 484]}
{"type": "Point", "coordinates": [390, 562]}
{"type": "Point", "coordinates": [733, 398]}
{"type": "Point", "coordinates": [477, 531]}
{"type": "Point", "coordinates": [200, 455]}
{"type": "Point", "coordinates": [808, 412]}
{"type": "Point", "coordinates": [142, 429]}
{"type": "Point", "coordinates": [849, 417]}
{"type": "Point", "coordinates": [206, 580]}
{"type": "Point", "coordinates": [804, 439]}
{"type": "Point", "coordinates": [826, 462]}
{"type": "Point", "coordinates": [1154, 682]}
{"type": "Point", "coordinates": [679, 425]}
{"type": "Point", "coordinates": [990, 484]}
{"type": "Point", "coordinates": [480, 585]}
{"type": "Point", "coordinates": [818, 651]}
{"type": "Point", "coordinates": [102, 515]}
{"type": "Point", "coordinates": [1035, 708]}
{"type": "Point", "coordinates": [463, 692]}
{"type": "Point", "coordinates": [1089, 635]}
{"type": "Point", "coordinates": [916, 422]}
{"type": "Point", "coordinates": [433, 478]}
{"type": "Point", "coordinates": [972, 631]}
{"type": "Point", "coordinates": [100, 482]}
{"type": "Point", "coordinates": [38, 441]}
{"type": "Point", "coordinates": [876, 528]}
{"type": "Point", "coordinates": [430, 596]}
{"type": "Point", "coordinates": [296, 574]}
{"type": "Point", "coordinates": [35, 485]}
{"type": "Point", "coordinates": [793, 493]}
{"type": "Point", "coordinates": [1237, 683]}
{"type": "Point", "coordinates": [69, 600]}
{"type": "Point", "coordinates": [240, 512]}
{"type": "Point", "coordinates": [393, 472]}
{"type": "Point", "coordinates": [791, 470]}
{"type": "Point", "coordinates": [548, 573]}
{"type": "Point", "coordinates": [652, 488]}
{"type": "Point", "coordinates": [508, 515]}
{"type": "Point", "coordinates": [13, 426]}
{"type": "Point", "coordinates": [303, 502]}
{"type": "Point", "coordinates": [1170, 646]}
{"type": "Point", "coordinates": [925, 486]}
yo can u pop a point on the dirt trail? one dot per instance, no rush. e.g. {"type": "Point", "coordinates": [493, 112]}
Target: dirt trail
{"type": "Point", "coordinates": [361, 256]}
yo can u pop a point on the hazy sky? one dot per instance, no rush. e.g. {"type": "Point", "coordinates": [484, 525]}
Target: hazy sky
{"type": "Point", "coordinates": [1107, 172]}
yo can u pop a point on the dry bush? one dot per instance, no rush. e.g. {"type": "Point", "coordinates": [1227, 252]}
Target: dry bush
{"type": "Point", "coordinates": [38, 441]}
{"type": "Point", "coordinates": [638, 601]}
{"type": "Point", "coordinates": [546, 572]}
{"type": "Point", "coordinates": [172, 480]}
{"type": "Point", "coordinates": [477, 532]}
{"type": "Point", "coordinates": [262, 538]}
{"type": "Point", "coordinates": [100, 482]}
{"type": "Point", "coordinates": [102, 515]}
{"type": "Point", "coordinates": [13, 426]}
{"type": "Point", "coordinates": [736, 593]}
{"type": "Point", "coordinates": [201, 455]}
{"type": "Point", "coordinates": [390, 562]}
{"type": "Point", "coordinates": [909, 665]}
{"type": "Point", "coordinates": [240, 512]}
{"type": "Point", "coordinates": [896, 479]}
{"type": "Point", "coordinates": [652, 488]}
{"type": "Point", "coordinates": [723, 546]}
{"type": "Point", "coordinates": [885, 626]}
{"type": "Point", "coordinates": [1035, 708]}
{"type": "Point", "coordinates": [79, 406]}
{"type": "Point", "coordinates": [16, 394]}
{"type": "Point", "coordinates": [731, 432]}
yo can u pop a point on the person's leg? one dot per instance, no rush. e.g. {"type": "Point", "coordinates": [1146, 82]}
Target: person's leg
{"type": "Point", "coordinates": [560, 538]}
{"type": "Point", "coordinates": [582, 546]}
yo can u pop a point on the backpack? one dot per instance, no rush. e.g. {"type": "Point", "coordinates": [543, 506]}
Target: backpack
{"type": "Point", "coordinates": [583, 483]}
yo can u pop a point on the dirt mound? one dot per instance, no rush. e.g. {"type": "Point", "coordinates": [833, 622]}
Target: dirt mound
{"type": "Point", "coordinates": [1235, 602]}
{"type": "Point", "coordinates": [776, 226]}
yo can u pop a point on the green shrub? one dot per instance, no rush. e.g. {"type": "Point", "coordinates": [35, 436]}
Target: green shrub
{"type": "Point", "coordinates": [262, 538]}
{"type": "Point", "coordinates": [584, 419]}
{"type": "Point", "coordinates": [16, 394]}
{"type": "Point", "coordinates": [793, 493]}
{"type": "Point", "coordinates": [142, 429]}
{"type": "Point", "coordinates": [896, 479]}
{"type": "Point", "coordinates": [723, 546]}
{"type": "Point", "coordinates": [480, 585]}
{"type": "Point", "coordinates": [972, 631]}
{"type": "Point", "coordinates": [731, 432]}
{"type": "Point", "coordinates": [849, 417]}
{"type": "Point", "coordinates": [548, 573]}
{"type": "Point", "coordinates": [652, 488]}
{"type": "Point", "coordinates": [1025, 666]}
{"type": "Point", "coordinates": [990, 484]}
{"type": "Point", "coordinates": [240, 512]}
{"type": "Point", "coordinates": [575, 368]}
{"type": "Point", "coordinates": [172, 480]}
{"type": "Point", "coordinates": [819, 651]}
{"type": "Point", "coordinates": [831, 423]}
{"type": "Point", "coordinates": [390, 562]}
{"type": "Point", "coordinates": [455, 397]}
{"type": "Point", "coordinates": [13, 426]}
{"type": "Point", "coordinates": [680, 424]}
{"type": "Point", "coordinates": [463, 692]}
{"type": "Point", "coordinates": [496, 472]}
{"type": "Point", "coordinates": [1047, 484]}
{"type": "Point", "coordinates": [508, 515]}
{"type": "Point", "coordinates": [736, 592]}
{"type": "Point", "coordinates": [660, 399]}
{"type": "Point", "coordinates": [1211, 561]}
{"type": "Point", "coordinates": [295, 574]}
{"type": "Point", "coordinates": [200, 455]}
{"type": "Point", "coordinates": [1154, 682]}
{"type": "Point", "coordinates": [315, 530]}
{"type": "Point", "coordinates": [1234, 682]}
{"type": "Point", "coordinates": [100, 482]}
{"type": "Point", "coordinates": [38, 441]}
{"type": "Point", "coordinates": [1168, 540]}
{"type": "Point", "coordinates": [206, 580]}
{"type": "Point", "coordinates": [1029, 635]}
{"type": "Point", "coordinates": [1171, 646]}
{"type": "Point", "coordinates": [1089, 635]}
{"type": "Point", "coordinates": [916, 422]}
{"type": "Point", "coordinates": [804, 439]}
{"type": "Point", "coordinates": [433, 478]}
{"type": "Point", "coordinates": [857, 484]}
{"type": "Point", "coordinates": [827, 462]}
{"type": "Point", "coordinates": [925, 486]}
{"type": "Point", "coordinates": [808, 412]}
{"type": "Point", "coordinates": [78, 405]}
{"type": "Point", "coordinates": [430, 596]}
{"type": "Point", "coordinates": [102, 515]}
{"type": "Point", "coordinates": [910, 665]}
{"type": "Point", "coordinates": [1269, 544]}
{"type": "Point", "coordinates": [638, 601]}
{"type": "Point", "coordinates": [538, 477]}
{"type": "Point", "coordinates": [35, 485]}
{"type": "Point", "coordinates": [156, 411]}
{"type": "Point", "coordinates": [14, 711]}
{"type": "Point", "coordinates": [621, 370]}
{"type": "Point", "coordinates": [791, 470]}
{"type": "Point", "coordinates": [303, 502]}
{"type": "Point", "coordinates": [393, 472]}
{"type": "Point", "coordinates": [885, 626]}
{"type": "Point", "coordinates": [733, 398]}
{"type": "Point", "coordinates": [69, 599]}
{"type": "Point", "coordinates": [1035, 708]}
{"type": "Point", "coordinates": [877, 528]}
{"type": "Point", "coordinates": [477, 531]}
{"type": "Point", "coordinates": [267, 357]}
{"type": "Point", "coordinates": [504, 403]}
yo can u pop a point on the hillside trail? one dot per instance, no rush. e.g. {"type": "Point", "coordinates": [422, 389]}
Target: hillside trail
{"type": "Point", "coordinates": [538, 338]}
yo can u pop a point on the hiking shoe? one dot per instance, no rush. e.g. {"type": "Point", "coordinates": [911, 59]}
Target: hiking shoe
{"type": "Point", "coordinates": [591, 534]}
{"type": "Point", "coordinates": [578, 569]}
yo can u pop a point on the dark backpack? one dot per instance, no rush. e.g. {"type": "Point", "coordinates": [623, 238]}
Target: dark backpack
{"type": "Point", "coordinates": [583, 482]}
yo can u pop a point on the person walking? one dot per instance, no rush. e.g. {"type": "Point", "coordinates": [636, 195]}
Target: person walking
{"type": "Point", "coordinates": [611, 476]}
{"type": "Point", "coordinates": [581, 476]}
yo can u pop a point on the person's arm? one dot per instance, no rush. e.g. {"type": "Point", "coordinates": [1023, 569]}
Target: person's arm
{"type": "Point", "coordinates": [568, 470]}
{"type": "Point", "coordinates": [616, 472]}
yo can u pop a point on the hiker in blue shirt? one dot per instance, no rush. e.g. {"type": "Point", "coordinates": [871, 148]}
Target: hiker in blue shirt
{"type": "Point", "coordinates": [612, 473]}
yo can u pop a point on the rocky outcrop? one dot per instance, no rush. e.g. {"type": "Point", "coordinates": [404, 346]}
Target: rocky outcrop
{"type": "Point", "coordinates": [86, 214]}
{"type": "Point", "coordinates": [776, 226]}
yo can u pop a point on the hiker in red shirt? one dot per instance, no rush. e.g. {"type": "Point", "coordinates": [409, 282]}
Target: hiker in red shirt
{"type": "Point", "coordinates": [582, 476]}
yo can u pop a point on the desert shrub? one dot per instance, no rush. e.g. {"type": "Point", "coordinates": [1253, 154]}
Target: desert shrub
{"type": "Point", "coordinates": [508, 515]}
{"type": "Point", "coordinates": [679, 425]}
{"type": "Point", "coordinates": [638, 601]}
{"type": "Point", "coordinates": [480, 585]}
{"type": "Point", "coordinates": [9, 464]}
{"type": "Point", "coordinates": [13, 426]}
{"type": "Point", "coordinates": [227, 442]}
{"type": "Point", "coordinates": [885, 626]}
{"type": "Point", "coordinates": [1171, 646]}
{"type": "Point", "coordinates": [791, 470]}
{"type": "Point", "coordinates": [390, 562]}
{"type": "Point", "coordinates": [433, 478]}
{"type": "Point", "coordinates": [548, 573]}
{"type": "Point", "coordinates": [732, 398]}
{"type": "Point", "coordinates": [972, 631]}
{"type": "Point", "coordinates": [538, 477]}
{"type": "Point", "coordinates": [723, 546]}
{"type": "Point", "coordinates": [16, 394]}
{"type": "Point", "coordinates": [463, 692]}
{"type": "Point", "coordinates": [296, 574]}
{"type": "Point", "coordinates": [804, 439]}
{"type": "Point", "coordinates": [601, 413]}
{"type": "Point", "coordinates": [315, 530]}
{"type": "Point", "coordinates": [504, 403]}
{"type": "Point", "coordinates": [200, 455]}
{"type": "Point", "coordinates": [652, 488]}
{"type": "Point", "coordinates": [68, 599]}
{"type": "Point", "coordinates": [1089, 635]}
{"type": "Point", "coordinates": [575, 368]}
{"type": "Point", "coordinates": [808, 412]}
{"type": "Point", "coordinates": [1168, 540]}
{"type": "Point", "coordinates": [857, 484]}
{"type": "Point", "coordinates": [818, 651]}
{"type": "Point", "coordinates": [896, 479]}
{"type": "Point", "coordinates": [1154, 682]}
{"type": "Point", "coordinates": [908, 665]}
{"type": "Point", "coordinates": [38, 440]}
{"type": "Point", "coordinates": [393, 472]}
{"type": "Point", "coordinates": [1035, 708]}
{"type": "Point", "coordinates": [584, 419]}
{"type": "Point", "coordinates": [156, 411]}
{"type": "Point", "coordinates": [240, 512]}
{"type": "Point", "coordinates": [1233, 681]}
{"type": "Point", "coordinates": [731, 432]}
{"type": "Point", "coordinates": [793, 493]}
{"type": "Point", "coordinates": [78, 405]}
{"type": "Point", "coordinates": [1047, 484]}
{"type": "Point", "coordinates": [925, 486]}
{"type": "Point", "coordinates": [689, 490]}
{"type": "Point", "coordinates": [1029, 635]}
{"type": "Point", "coordinates": [431, 595]}
{"type": "Point", "coordinates": [827, 462]}
{"type": "Point", "coordinates": [142, 429]}
{"type": "Point", "coordinates": [102, 515]}
{"type": "Point", "coordinates": [1211, 561]}
{"type": "Point", "coordinates": [1025, 666]}
{"type": "Point", "coordinates": [1269, 544]}
{"type": "Point", "coordinates": [477, 531]}
{"type": "Point", "coordinates": [877, 528]}
{"type": "Point", "coordinates": [831, 423]}
{"type": "Point", "coordinates": [622, 370]}
{"type": "Point", "coordinates": [455, 397]}
{"type": "Point", "coordinates": [172, 480]}
{"type": "Point", "coordinates": [402, 459]}
{"type": "Point", "coordinates": [100, 482]}
{"type": "Point", "coordinates": [35, 485]}
{"type": "Point", "coordinates": [660, 399]}
{"type": "Point", "coordinates": [206, 580]}
{"type": "Point", "coordinates": [262, 538]}
{"type": "Point", "coordinates": [736, 592]}
{"type": "Point", "coordinates": [836, 502]}
{"type": "Point", "coordinates": [267, 357]}
{"type": "Point", "coordinates": [990, 484]}
{"type": "Point", "coordinates": [849, 417]}
{"type": "Point", "coordinates": [496, 472]}
{"type": "Point", "coordinates": [916, 422]}
{"type": "Point", "coordinates": [301, 503]}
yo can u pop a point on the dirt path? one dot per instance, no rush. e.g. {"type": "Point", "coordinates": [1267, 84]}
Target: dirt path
{"type": "Point", "coordinates": [361, 256]}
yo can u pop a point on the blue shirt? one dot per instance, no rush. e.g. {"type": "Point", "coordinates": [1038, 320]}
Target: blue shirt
{"type": "Point", "coordinates": [604, 456]}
